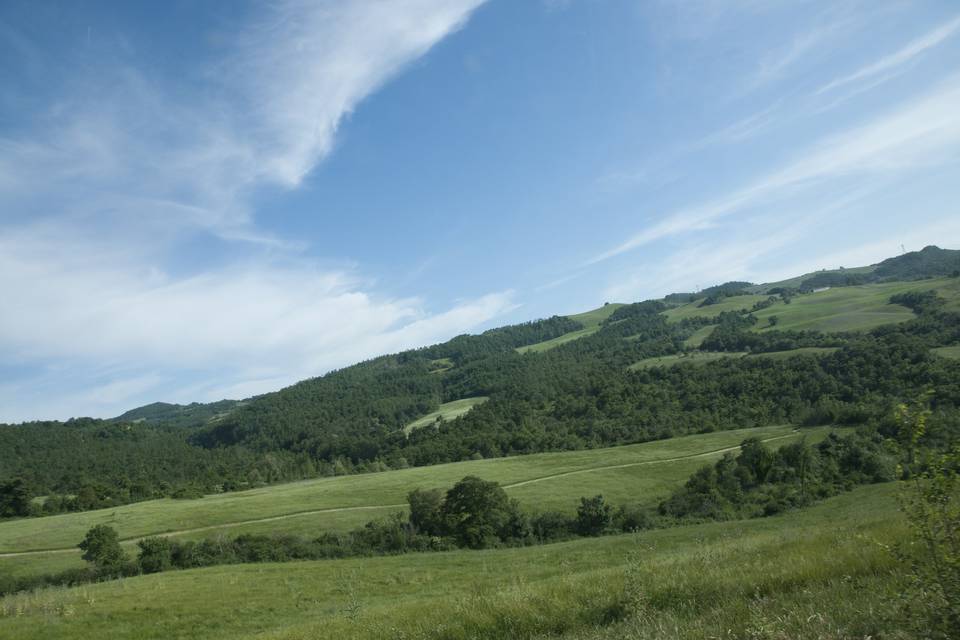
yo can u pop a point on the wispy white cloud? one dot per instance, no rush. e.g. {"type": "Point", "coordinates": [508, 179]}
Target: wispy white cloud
{"type": "Point", "coordinates": [776, 64]}
{"type": "Point", "coordinates": [739, 256]}
{"type": "Point", "coordinates": [745, 128]}
{"type": "Point", "coordinates": [98, 194]}
{"type": "Point", "coordinates": [268, 113]}
{"type": "Point", "coordinates": [922, 133]}
{"type": "Point", "coordinates": [895, 62]}
{"type": "Point", "coordinates": [698, 265]}
{"type": "Point", "coordinates": [305, 65]}
{"type": "Point", "coordinates": [253, 325]}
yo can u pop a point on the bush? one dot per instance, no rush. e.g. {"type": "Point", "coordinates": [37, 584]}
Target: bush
{"type": "Point", "coordinates": [594, 516]}
{"type": "Point", "coordinates": [631, 518]}
{"type": "Point", "coordinates": [101, 547]}
{"type": "Point", "coordinates": [477, 512]}
{"type": "Point", "coordinates": [552, 525]}
{"type": "Point", "coordinates": [425, 514]}
{"type": "Point", "coordinates": [156, 554]}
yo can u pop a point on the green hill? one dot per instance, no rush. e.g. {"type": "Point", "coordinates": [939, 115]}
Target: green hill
{"type": "Point", "coordinates": [562, 383]}
{"type": "Point", "coordinates": [713, 580]}
{"type": "Point", "coordinates": [643, 473]}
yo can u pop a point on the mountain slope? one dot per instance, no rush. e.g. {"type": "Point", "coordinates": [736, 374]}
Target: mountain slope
{"type": "Point", "coordinates": [580, 393]}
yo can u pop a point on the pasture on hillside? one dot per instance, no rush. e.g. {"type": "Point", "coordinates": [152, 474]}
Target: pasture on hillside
{"type": "Point", "coordinates": [948, 352]}
{"type": "Point", "coordinates": [643, 473]}
{"type": "Point", "coordinates": [446, 411]}
{"type": "Point", "coordinates": [591, 321]}
{"type": "Point", "coordinates": [856, 308]}
{"type": "Point", "coordinates": [701, 357]}
{"type": "Point", "coordinates": [826, 565]}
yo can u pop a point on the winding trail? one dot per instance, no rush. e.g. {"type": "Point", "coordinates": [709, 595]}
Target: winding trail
{"type": "Point", "coordinates": [296, 514]}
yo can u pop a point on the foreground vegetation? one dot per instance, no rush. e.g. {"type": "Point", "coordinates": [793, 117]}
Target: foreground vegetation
{"type": "Point", "coordinates": [641, 474]}
{"type": "Point", "coordinates": [769, 577]}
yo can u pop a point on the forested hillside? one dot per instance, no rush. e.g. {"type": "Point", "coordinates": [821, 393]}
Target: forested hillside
{"type": "Point", "coordinates": [582, 393]}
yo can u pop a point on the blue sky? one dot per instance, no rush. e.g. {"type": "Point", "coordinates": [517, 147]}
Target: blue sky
{"type": "Point", "coordinates": [209, 200]}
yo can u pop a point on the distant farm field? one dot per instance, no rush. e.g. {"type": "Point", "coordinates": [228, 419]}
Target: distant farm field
{"type": "Point", "coordinates": [699, 336]}
{"type": "Point", "coordinates": [701, 357]}
{"type": "Point", "coordinates": [694, 357]}
{"type": "Point", "coordinates": [828, 563]}
{"type": "Point", "coordinates": [446, 411]}
{"type": "Point", "coordinates": [948, 352]}
{"type": "Point", "coordinates": [858, 308]}
{"type": "Point", "coordinates": [642, 473]}
{"type": "Point", "coordinates": [694, 310]}
{"type": "Point", "coordinates": [591, 321]}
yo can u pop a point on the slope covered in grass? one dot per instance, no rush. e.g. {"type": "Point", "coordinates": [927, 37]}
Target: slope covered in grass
{"type": "Point", "coordinates": [446, 411]}
{"type": "Point", "coordinates": [948, 352]}
{"type": "Point", "coordinates": [711, 580]}
{"type": "Point", "coordinates": [858, 308]}
{"type": "Point", "coordinates": [694, 357]}
{"type": "Point", "coordinates": [695, 310]}
{"type": "Point", "coordinates": [643, 473]}
{"type": "Point", "coordinates": [591, 321]}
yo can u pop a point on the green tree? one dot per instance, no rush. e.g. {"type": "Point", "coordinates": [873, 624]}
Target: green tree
{"type": "Point", "coordinates": [156, 554]}
{"type": "Point", "coordinates": [594, 516]}
{"type": "Point", "coordinates": [425, 511]}
{"type": "Point", "coordinates": [14, 499]}
{"type": "Point", "coordinates": [477, 512]}
{"type": "Point", "coordinates": [101, 547]}
{"type": "Point", "coordinates": [931, 504]}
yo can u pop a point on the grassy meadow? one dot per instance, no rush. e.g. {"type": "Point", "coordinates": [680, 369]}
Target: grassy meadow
{"type": "Point", "coordinates": [700, 357]}
{"type": "Point", "coordinates": [761, 578]}
{"type": "Point", "coordinates": [795, 282]}
{"type": "Point", "coordinates": [948, 352]}
{"type": "Point", "coordinates": [694, 310]}
{"type": "Point", "coordinates": [699, 336]}
{"type": "Point", "coordinates": [446, 411]}
{"type": "Point", "coordinates": [643, 473]}
{"type": "Point", "coordinates": [858, 308]}
{"type": "Point", "coordinates": [591, 324]}
{"type": "Point", "coordinates": [694, 357]}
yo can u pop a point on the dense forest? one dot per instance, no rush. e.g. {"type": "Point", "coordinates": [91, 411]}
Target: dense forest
{"type": "Point", "coordinates": [580, 394]}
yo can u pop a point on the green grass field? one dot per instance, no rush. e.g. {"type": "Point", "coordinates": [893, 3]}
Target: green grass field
{"type": "Point", "coordinates": [441, 365]}
{"type": "Point", "coordinates": [699, 336]}
{"type": "Point", "coordinates": [858, 308]}
{"type": "Point", "coordinates": [446, 411]}
{"type": "Point", "coordinates": [763, 578]}
{"type": "Point", "coordinates": [841, 309]}
{"type": "Point", "coordinates": [794, 283]}
{"type": "Point", "coordinates": [783, 355]}
{"type": "Point", "coordinates": [590, 320]}
{"type": "Point", "coordinates": [693, 310]}
{"type": "Point", "coordinates": [642, 473]}
{"type": "Point", "coordinates": [700, 357]}
{"type": "Point", "coordinates": [694, 357]}
{"type": "Point", "coordinates": [948, 352]}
